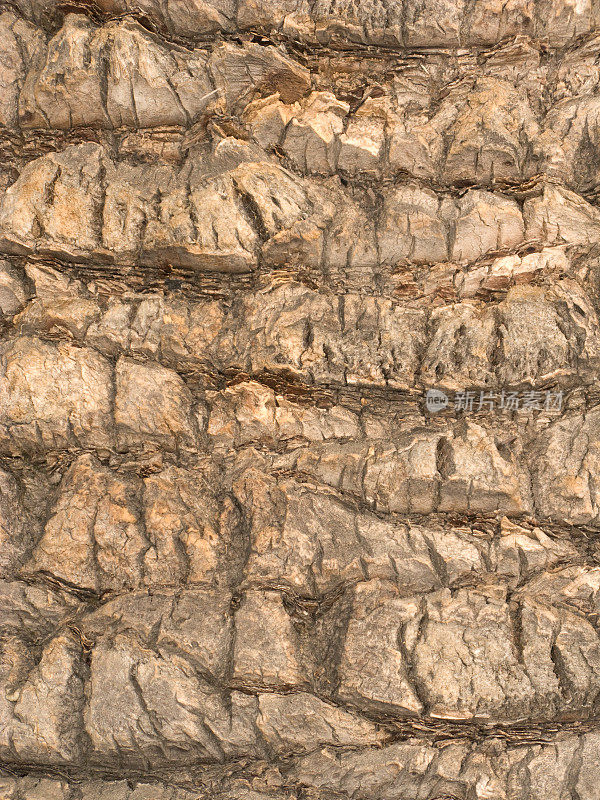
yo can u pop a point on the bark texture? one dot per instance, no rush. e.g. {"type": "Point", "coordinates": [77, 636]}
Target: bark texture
{"type": "Point", "coordinates": [239, 559]}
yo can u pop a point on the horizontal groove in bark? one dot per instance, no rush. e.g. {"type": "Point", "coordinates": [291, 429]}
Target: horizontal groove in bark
{"type": "Point", "coordinates": [20, 148]}
{"type": "Point", "coordinates": [336, 41]}
{"type": "Point", "coordinates": [407, 283]}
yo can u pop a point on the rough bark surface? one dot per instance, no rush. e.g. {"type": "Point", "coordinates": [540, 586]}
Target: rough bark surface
{"type": "Point", "coordinates": [239, 559]}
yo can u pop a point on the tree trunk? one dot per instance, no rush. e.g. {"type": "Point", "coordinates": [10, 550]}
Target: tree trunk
{"type": "Point", "coordinates": [299, 418]}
